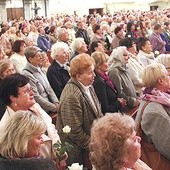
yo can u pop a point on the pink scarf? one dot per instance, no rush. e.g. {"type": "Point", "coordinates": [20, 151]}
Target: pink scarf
{"type": "Point", "coordinates": [156, 95]}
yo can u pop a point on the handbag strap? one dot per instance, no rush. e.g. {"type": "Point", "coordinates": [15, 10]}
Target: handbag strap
{"type": "Point", "coordinates": [141, 113]}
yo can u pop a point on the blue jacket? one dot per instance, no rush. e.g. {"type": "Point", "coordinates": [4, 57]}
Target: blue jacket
{"type": "Point", "coordinates": [43, 43]}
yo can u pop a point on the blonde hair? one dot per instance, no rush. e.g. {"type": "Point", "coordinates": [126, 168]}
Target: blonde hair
{"type": "Point", "coordinates": [17, 132]}
{"type": "Point", "coordinates": [109, 143]}
{"type": "Point", "coordinates": [163, 59]}
{"type": "Point", "coordinates": [152, 73]}
{"type": "Point", "coordinates": [4, 65]}
{"type": "Point", "coordinates": [99, 58]}
{"type": "Point", "coordinates": [79, 63]}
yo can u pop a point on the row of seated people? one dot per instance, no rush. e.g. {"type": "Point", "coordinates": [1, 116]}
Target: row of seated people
{"type": "Point", "coordinates": [79, 104]}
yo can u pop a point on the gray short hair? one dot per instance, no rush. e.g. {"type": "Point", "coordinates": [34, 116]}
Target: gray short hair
{"type": "Point", "coordinates": [61, 31]}
{"type": "Point", "coordinates": [77, 43]}
{"type": "Point", "coordinates": [58, 48]}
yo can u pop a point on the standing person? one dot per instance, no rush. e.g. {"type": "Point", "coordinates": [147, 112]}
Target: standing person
{"type": "Point", "coordinates": [58, 71]}
{"type": "Point", "coordinates": [115, 145]}
{"type": "Point", "coordinates": [79, 107]}
{"type": "Point", "coordinates": [103, 86]}
{"type": "Point", "coordinates": [43, 93]}
{"type": "Point", "coordinates": [153, 116]}
{"type": "Point", "coordinates": [18, 58]}
{"type": "Point", "coordinates": [21, 139]}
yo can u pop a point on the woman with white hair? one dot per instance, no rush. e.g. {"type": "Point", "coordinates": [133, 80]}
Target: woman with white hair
{"type": "Point", "coordinates": [58, 71]}
{"type": "Point", "coordinates": [120, 77]}
{"type": "Point", "coordinates": [79, 46]}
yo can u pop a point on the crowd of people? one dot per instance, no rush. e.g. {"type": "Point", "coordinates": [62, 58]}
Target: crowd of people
{"type": "Point", "coordinates": [88, 73]}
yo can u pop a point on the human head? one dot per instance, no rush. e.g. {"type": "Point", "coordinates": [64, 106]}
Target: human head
{"type": "Point", "coordinates": [15, 89]}
{"type": "Point", "coordinates": [41, 30]}
{"type": "Point", "coordinates": [18, 134]}
{"type": "Point", "coordinates": [119, 54]}
{"type": "Point", "coordinates": [130, 26]}
{"type": "Point", "coordinates": [113, 142]}
{"type": "Point", "coordinates": [159, 80]}
{"type": "Point", "coordinates": [82, 69]}
{"type": "Point", "coordinates": [59, 52]}
{"type": "Point", "coordinates": [157, 28]}
{"type": "Point", "coordinates": [96, 46]}
{"type": "Point", "coordinates": [118, 31]}
{"type": "Point", "coordinates": [62, 34]}
{"type": "Point", "coordinates": [165, 60]}
{"type": "Point", "coordinates": [6, 68]}
{"type": "Point", "coordinates": [18, 46]}
{"type": "Point", "coordinates": [79, 45]}
{"type": "Point", "coordinates": [33, 55]}
{"type": "Point", "coordinates": [96, 28]}
{"type": "Point", "coordinates": [101, 61]}
{"type": "Point", "coordinates": [130, 44]}
{"type": "Point", "coordinates": [144, 45]}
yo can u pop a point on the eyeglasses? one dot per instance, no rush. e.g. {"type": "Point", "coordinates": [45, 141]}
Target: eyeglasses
{"type": "Point", "coordinates": [26, 92]}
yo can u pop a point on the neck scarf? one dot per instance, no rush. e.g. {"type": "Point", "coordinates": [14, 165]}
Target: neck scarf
{"type": "Point", "coordinates": [107, 79]}
{"type": "Point", "coordinates": [155, 95]}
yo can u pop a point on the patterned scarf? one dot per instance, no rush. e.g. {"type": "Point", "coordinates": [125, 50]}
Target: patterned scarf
{"type": "Point", "coordinates": [155, 95]}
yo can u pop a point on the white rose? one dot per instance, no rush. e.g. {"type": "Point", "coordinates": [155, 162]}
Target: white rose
{"type": "Point", "coordinates": [75, 166]}
{"type": "Point", "coordinates": [66, 129]}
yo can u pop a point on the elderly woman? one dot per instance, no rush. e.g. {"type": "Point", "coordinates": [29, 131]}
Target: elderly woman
{"type": "Point", "coordinates": [58, 71]}
{"type": "Point", "coordinates": [114, 144]}
{"type": "Point", "coordinates": [145, 55]}
{"type": "Point", "coordinates": [6, 68]}
{"type": "Point", "coordinates": [120, 77]}
{"type": "Point", "coordinates": [16, 93]}
{"type": "Point", "coordinates": [79, 107]}
{"type": "Point", "coordinates": [20, 140]}
{"type": "Point", "coordinates": [18, 58]}
{"type": "Point", "coordinates": [134, 67]}
{"type": "Point", "coordinates": [154, 112]}
{"type": "Point", "coordinates": [103, 86]}
{"type": "Point", "coordinates": [79, 46]}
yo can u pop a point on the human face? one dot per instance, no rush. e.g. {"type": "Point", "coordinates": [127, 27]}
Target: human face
{"type": "Point", "coordinates": [165, 82]}
{"type": "Point", "coordinates": [134, 150]}
{"type": "Point", "coordinates": [65, 36]}
{"type": "Point", "coordinates": [25, 98]}
{"type": "Point", "coordinates": [33, 148]}
{"type": "Point", "coordinates": [63, 57]}
{"type": "Point", "coordinates": [147, 48]}
{"type": "Point", "coordinates": [10, 70]}
{"type": "Point", "coordinates": [132, 49]}
{"type": "Point", "coordinates": [100, 47]}
{"type": "Point", "coordinates": [37, 60]}
{"type": "Point", "coordinates": [87, 77]}
{"type": "Point", "coordinates": [126, 57]}
{"type": "Point", "coordinates": [104, 67]}
{"type": "Point", "coordinates": [83, 48]}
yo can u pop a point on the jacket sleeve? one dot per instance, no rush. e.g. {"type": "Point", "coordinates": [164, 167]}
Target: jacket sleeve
{"type": "Point", "coordinates": [72, 115]}
{"type": "Point", "coordinates": [100, 89]}
{"type": "Point", "coordinates": [116, 79]}
{"type": "Point", "coordinates": [44, 103]}
{"type": "Point", "coordinates": [155, 124]}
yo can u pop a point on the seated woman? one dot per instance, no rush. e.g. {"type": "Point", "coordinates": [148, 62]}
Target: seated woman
{"type": "Point", "coordinates": [114, 144]}
{"type": "Point", "coordinates": [16, 94]}
{"type": "Point", "coordinates": [120, 77]}
{"type": "Point", "coordinates": [79, 107]}
{"type": "Point", "coordinates": [155, 109]}
{"type": "Point", "coordinates": [145, 55]}
{"type": "Point", "coordinates": [103, 86]}
{"type": "Point", "coordinates": [20, 141]}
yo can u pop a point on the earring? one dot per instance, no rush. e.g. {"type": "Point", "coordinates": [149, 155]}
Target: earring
{"type": "Point", "coordinates": [15, 103]}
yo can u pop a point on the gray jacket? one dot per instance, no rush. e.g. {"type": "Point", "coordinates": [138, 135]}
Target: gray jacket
{"type": "Point", "coordinates": [155, 124]}
{"type": "Point", "coordinates": [43, 93]}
